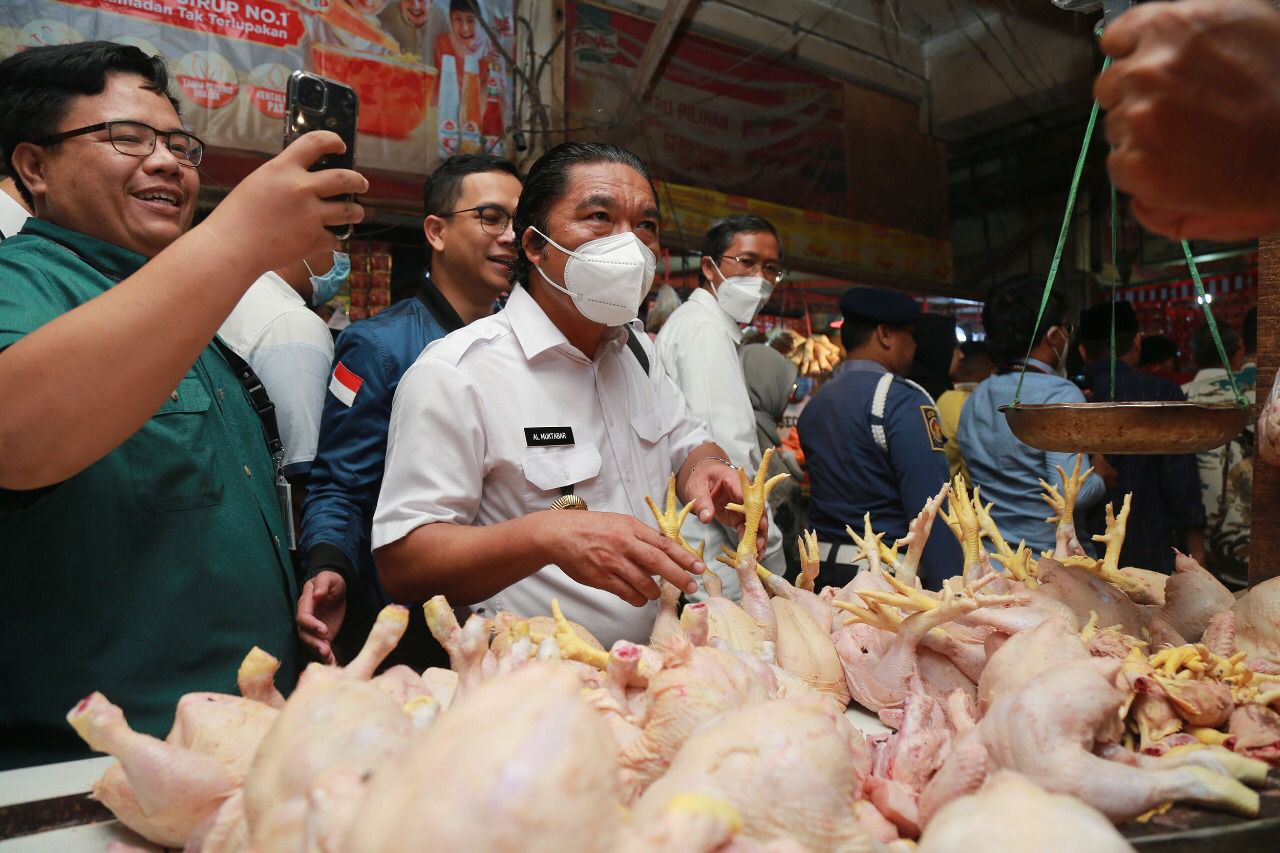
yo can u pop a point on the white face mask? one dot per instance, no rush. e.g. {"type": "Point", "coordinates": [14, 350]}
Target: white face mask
{"type": "Point", "coordinates": [741, 296]}
{"type": "Point", "coordinates": [608, 277]}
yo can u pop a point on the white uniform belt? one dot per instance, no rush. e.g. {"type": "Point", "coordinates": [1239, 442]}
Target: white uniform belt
{"type": "Point", "coordinates": [845, 554]}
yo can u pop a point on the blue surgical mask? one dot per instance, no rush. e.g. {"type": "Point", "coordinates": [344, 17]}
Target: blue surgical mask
{"type": "Point", "coordinates": [325, 287]}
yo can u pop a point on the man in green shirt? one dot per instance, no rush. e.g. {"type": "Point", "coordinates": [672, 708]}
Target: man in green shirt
{"type": "Point", "coordinates": [143, 543]}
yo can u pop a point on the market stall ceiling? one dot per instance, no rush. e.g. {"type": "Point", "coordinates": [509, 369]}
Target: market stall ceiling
{"type": "Point", "coordinates": [969, 64]}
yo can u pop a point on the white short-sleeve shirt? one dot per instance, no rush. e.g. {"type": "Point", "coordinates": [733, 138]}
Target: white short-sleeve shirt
{"type": "Point", "coordinates": [493, 420]}
{"type": "Point", "coordinates": [291, 350]}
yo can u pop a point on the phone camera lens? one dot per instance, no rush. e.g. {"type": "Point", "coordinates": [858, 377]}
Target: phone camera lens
{"type": "Point", "coordinates": [311, 94]}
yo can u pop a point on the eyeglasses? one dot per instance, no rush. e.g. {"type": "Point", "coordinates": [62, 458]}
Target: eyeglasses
{"type": "Point", "coordinates": [139, 140]}
{"type": "Point", "coordinates": [770, 271]}
{"type": "Point", "coordinates": [494, 220]}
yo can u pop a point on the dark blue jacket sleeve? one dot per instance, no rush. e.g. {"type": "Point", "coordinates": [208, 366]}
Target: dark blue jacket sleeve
{"type": "Point", "coordinates": [921, 466]}
{"type": "Point", "coordinates": [347, 472]}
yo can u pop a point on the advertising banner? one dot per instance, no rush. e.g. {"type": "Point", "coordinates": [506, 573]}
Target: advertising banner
{"type": "Point", "coordinates": [720, 116]}
{"type": "Point", "coordinates": [430, 80]}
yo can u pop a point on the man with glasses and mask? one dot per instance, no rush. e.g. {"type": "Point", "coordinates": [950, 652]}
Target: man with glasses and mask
{"type": "Point", "coordinates": [741, 265]}
{"type": "Point", "coordinates": [1005, 468]}
{"type": "Point", "coordinates": [873, 440]}
{"type": "Point", "coordinates": [468, 200]}
{"type": "Point", "coordinates": [522, 447]}
{"type": "Point", "coordinates": [145, 548]}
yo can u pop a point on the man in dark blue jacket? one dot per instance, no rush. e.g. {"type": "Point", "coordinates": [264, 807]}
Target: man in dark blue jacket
{"type": "Point", "coordinates": [1166, 510]}
{"type": "Point", "coordinates": [873, 441]}
{"type": "Point", "coordinates": [468, 201]}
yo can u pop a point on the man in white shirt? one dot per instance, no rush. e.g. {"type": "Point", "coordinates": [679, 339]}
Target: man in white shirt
{"type": "Point", "coordinates": [559, 399]}
{"type": "Point", "coordinates": [741, 264]}
{"type": "Point", "coordinates": [13, 210]}
{"type": "Point", "coordinates": [289, 348]}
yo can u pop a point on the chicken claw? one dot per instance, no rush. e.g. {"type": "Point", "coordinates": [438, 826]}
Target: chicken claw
{"type": "Point", "coordinates": [917, 537]}
{"type": "Point", "coordinates": [1114, 540]}
{"type": "Point", "coordinates": [875, 614]}
{"type": "Point", "coordinates": [869, 544]}
{"type": "Point", "coordinates": [962, 518]}
{"type": "Point", "coordinates": [810, 562]}
{"type": "Point", "coordinates": [670, 521]}
{"type": "Point", "coordinates": [573, 647]}
{"type": "Point", "coordinates": [754, 497]}
{"type": "Point", "coordinates": [1064, 506]}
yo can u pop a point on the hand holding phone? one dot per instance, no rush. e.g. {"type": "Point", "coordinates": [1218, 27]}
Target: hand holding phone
{"type": "Point", "coordinates": [316, 103]}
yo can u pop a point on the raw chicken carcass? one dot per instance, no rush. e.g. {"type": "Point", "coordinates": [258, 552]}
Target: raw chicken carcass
{"type": "Point", "coordinates": [792, 768]}
{"type": "Point", "coordinates": [337, 725]}
{"type": "Point", "coordinates": [1047, 731]}
{"type": "Point", "coordinates": [1257, 618]}
{"type": "Point", "coordinates": [1085, 594]}
{"type": "Point", "coordinates": [521, 763]}
{"type": "Point", "coordinates": [878, 673]}
{"type": "Point", "coordinates": [1192, 597]}
{"type": "Point", "coordinates": [164, 790]}
{"type": "Point", "coordinates": [160, 790]}
{"type": "Point", "coordinates": [1026, 655]}
{"type": "Point", "coordinates": [906, 760]}
{"type": "Point", "coordinates": [695, 684]}
{"type": "Point", "coordinates": [1011, 813]}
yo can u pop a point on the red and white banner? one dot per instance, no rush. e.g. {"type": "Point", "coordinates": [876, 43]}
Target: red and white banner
{"type": "Point", "coordinates": [230, 60]}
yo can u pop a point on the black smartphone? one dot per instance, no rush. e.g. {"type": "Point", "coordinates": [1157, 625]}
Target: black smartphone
{"type": "Point", "coordinates": [316, 103]}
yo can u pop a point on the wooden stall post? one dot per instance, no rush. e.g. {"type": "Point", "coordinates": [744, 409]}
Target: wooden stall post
{"type": "Point", "coordinates": [1264, 544]}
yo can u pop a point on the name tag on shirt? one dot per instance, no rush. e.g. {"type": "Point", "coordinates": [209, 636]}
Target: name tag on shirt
{"type": "Point", "coordinates": [548, 436]}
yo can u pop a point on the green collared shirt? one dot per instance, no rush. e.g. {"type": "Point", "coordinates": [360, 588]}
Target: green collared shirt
{"type": "Point", "coordinates": [152, 572]}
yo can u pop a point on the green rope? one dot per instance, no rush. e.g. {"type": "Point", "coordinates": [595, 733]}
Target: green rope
{"type": "Point", "coordinates": [1062, 240]}
{"type": "Point", "coordinates": [1213, 325]}
{"type": "Point", "coordinates": [1115, 271]}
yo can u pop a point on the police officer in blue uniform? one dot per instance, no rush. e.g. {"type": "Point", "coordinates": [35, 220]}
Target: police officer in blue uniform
{"type": "Point", "coordinates": [873, 441]}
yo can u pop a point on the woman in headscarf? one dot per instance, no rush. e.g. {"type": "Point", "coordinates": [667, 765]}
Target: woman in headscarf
{"type": "Point", "coordinates": [770, 380]}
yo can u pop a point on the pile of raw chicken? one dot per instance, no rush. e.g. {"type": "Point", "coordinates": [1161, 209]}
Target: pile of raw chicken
{"type": "Point", "coordinates": [1028, 708]}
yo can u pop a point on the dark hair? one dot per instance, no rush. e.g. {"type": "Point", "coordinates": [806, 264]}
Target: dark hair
{"type": "Point", "coordinates": [856, 331]}
{"type": "Point", "coordinates": [976, 363]}
{"type": "Point", "coordinates": [1250, 331]}
{"type": "Point", "coordinates": [1157, 348]}
{"type": "Point", "coordinates": [548, 181]}
{"type": "Point", "coordinates": [443, 187]}
{"type": "Point", "coordinates": [38, 84]}
{"type": "Point", "coordinates": [1098, 350]}
{"type": "Point", "coordinates": [1010, 316]}
{"type": "Point", "coordinates": [721, 234]}
{"type": "Point", "coordinates": [1205, 352]}
{"type": "Point", "coordinates": [468, 6]}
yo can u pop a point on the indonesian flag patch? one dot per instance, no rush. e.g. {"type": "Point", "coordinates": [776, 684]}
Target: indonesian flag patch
{"type": "Point", "coordinates": [345, 385]}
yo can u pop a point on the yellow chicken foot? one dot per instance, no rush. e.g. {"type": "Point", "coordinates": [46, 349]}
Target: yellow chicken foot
{"type": "Point", "coordinates": [1114, 541]}
{"type": "Point", "coordinates": [904, 597]}
{"type": "Point", "coordinates": [810, 562]}
{"type": "Point", "coordinates": [1064, 507]}
{"type": "Point", "coordinates": [1020, 565]}
{"type": "Point", "coordinates": [874, 614]}
{"type": "Point", "coordinates": [672, 519]}
{"type": "Point", "coordinates": [917, 537]}
{"type": "Point", "coordinates": [868, 543]}
{"type": "Point", "coordinates": [962, 518]}
{"type": "Point", "coordinates": [754, 498]}
{"type": "Point", "coordinates": [573, 647]}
